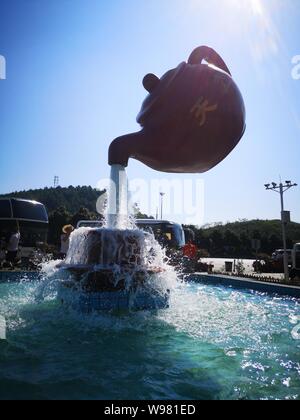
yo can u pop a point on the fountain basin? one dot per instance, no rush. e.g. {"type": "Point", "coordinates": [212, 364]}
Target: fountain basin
{"type": "Point", "coordinates": [121, 300]}
{"type": "Point", "coordinates": [101, 290]}
{"type": "Point", "coordinates": [110, 269]}
{"type": "Point", "coordinates": [213, 343]}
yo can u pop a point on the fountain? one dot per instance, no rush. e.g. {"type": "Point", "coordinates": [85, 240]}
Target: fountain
{"type": "Point", "coordinates": [191, 120]}
{"type": "Point", "coordinates": [114, 269]}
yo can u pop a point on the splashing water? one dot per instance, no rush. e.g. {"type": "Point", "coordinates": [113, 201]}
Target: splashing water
{"type": "Point", "coordinates": [212, 343]}
{"type": "Point", "coordinates": [133, 258]}
{"type": "Point", "coordinates": [106, 248]}
{"type": "Point", "coordinates": [116, 258]}
{"type": "Point", "coordinates": [120, 268]}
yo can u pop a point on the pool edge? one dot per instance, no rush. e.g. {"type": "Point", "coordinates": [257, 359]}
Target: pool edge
{"type": "Point", "coordinates": [242, 283]}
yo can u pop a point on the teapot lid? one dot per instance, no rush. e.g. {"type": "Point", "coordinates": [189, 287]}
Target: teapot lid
{"type": "Point", "coordinates": [157, 88]}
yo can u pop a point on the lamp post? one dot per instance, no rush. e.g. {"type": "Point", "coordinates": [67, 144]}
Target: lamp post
{"type": "Point", "coordinates": [162, 194]}
{"type": "Point", "coordinates": [281, 189]}
{"type": "Point", "coordinates": [56, 181]}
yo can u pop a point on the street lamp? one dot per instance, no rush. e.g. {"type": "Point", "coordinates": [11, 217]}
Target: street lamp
{"type": "Point", "coordinates": [162, 194]}
{"type": "Point", "coordinates": [281, 189]}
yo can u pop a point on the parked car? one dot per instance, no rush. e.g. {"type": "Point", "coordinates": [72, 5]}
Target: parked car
{"type": "Point", "coordinates": [295, 271]}
{"type": "Point", "coordinates": [278, 255]}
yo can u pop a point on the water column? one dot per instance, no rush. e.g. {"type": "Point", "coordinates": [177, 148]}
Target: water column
{"type": "Point", "coordinates": [118, 198]}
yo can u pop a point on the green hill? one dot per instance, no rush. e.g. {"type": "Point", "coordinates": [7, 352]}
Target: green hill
{"type": "Point", "coordinates": [68, 205]}
{"type": "Point", "coordinates": [71, 198]}
{"type": "Point", "coordinates": [235, 239]}
{"type": "Point", "coordinates": [64, 206]}
{"type": "Point", "coordinates": [258, 229]}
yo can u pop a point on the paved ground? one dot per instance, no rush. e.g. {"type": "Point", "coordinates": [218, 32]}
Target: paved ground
{"type": "Point", "coordinates": [247, 283]}
{"type": "Point", "coordinates": [219, 265]}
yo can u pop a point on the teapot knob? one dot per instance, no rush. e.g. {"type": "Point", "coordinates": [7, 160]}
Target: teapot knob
{"type": "Point", "coordinates": [150, 82]}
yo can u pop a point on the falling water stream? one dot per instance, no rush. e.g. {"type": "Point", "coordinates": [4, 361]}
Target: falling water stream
{"type": "Point", "coordinates": [118, 198]}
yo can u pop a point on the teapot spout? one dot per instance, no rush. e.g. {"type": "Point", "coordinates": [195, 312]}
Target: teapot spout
{"type": "Point", "coordinates": [122, 148]}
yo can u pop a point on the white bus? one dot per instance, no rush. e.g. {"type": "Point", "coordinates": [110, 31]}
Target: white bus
{"type": "Point", "coordinates": [167, 233]}
{"type": "Point", "coordinates": [295, 272]}
{"type": "Point", "coordinates": [32, 219]}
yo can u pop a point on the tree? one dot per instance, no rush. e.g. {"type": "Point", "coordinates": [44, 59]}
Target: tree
{"type": "Point", "coordinates": [217, 242]}
{"type": "Point", "coordinates": [83, 214]}
{"type": "Point", "coordinates": [139, 215]}
{"type": "Point", "coordinates": [72, 198]}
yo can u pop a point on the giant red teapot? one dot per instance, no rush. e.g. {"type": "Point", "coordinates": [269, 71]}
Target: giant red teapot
{"type": "Point", "coordinates": [193, 117]}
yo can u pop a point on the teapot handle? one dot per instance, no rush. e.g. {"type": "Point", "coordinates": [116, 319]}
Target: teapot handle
{"type": "Point", "coordinates": [210, 55]}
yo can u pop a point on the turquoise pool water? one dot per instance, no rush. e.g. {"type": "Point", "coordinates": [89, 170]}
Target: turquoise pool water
{"type": "Point", "coordinates": [212, 343]}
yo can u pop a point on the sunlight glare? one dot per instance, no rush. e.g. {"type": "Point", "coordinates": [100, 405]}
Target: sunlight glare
{"type": "Point", "coordinates": [254, 6]}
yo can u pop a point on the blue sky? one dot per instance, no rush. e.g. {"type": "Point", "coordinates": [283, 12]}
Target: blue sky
{"type": "Point", "coordinates": [74, 72]}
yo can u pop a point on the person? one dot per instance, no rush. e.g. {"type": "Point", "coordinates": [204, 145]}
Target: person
{"type": "Point", "coordinates": [65, 241]}
{"type": "Point", "coordinates": [164, 240]}
{"type": "Point", "coordinates": [190, 251]}
{"type": "Point", "coordinates": [13, 245]}
{"type": "Point", "coordinates": [2, 249]}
